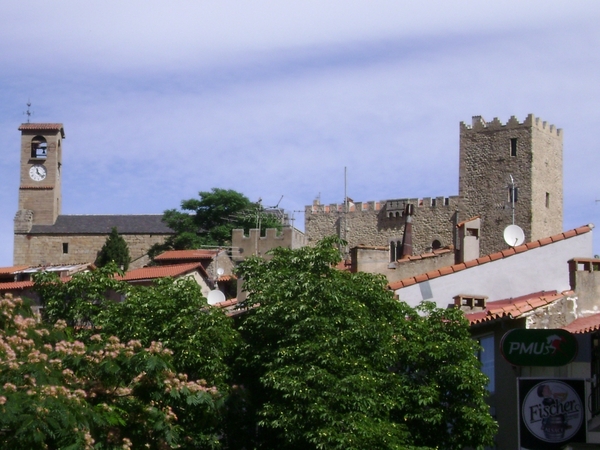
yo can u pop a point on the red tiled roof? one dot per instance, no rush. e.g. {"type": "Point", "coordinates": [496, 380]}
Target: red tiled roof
{"type": "Point", "coordinates": [461, 224]}
{"type": "Point", "coordinates": [15, 285]}
{"type": "Point", "coordinates": [186, 255]}
{"type": "Point", "coordinates": [584, 324]}
{"type": "Point", "coordinates": [492, 257]}
{"type": "Point", "coordinates": [41, 126]}
{"type": "Point", "coordinates": [176, 270]}
{"type": "Point", "coordinates": [431, 254]}
{"type": "Point", "coordinates": [513, 308]}
{"type": "Point", "coordinates": [11, 270]}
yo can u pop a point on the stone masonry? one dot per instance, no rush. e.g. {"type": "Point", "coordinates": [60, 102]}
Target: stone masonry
{"type": "Point", "coordinates": [490, 153]}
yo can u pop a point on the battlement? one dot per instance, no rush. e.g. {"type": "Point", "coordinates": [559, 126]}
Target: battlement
{"type": "Point", "coordinates": [391, 206]}
{"type": "Point", "coordinates": [479, 124]}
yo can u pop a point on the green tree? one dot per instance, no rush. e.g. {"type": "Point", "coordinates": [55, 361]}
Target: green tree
{"type": "Point", "coordinates": [98, 392]}
{"type": "Point", "coordinates": [172, 312]}
{"type": "Point", "coordinates": [332, 361]}
{"type": "Point", "coordinates": [115, 250]}
{"type": "Point", "coordinates": [210, 219]}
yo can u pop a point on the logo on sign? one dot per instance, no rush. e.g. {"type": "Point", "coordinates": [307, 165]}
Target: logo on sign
{"type": "Point", "coordinates": [538, 347]}
{"type": "Point", "coordinates": [552, 411]}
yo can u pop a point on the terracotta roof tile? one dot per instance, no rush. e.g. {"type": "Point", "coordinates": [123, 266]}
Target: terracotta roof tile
{"type": "Point", "coordinates": [12, 269]}
{"type": "Point", "coordinates": [461, 224]}
{"type": "Point", "coordinates": [508, 252]}
{"type": "Point", "coordinates": [496, 256]}
{"type": "Point", "coordinates": [15, 285]}
{"type": "Point", "coordinates": [41, 126]}
{"type": "Point", "coordinates": [408, 282]}
{"type": "Point", "coordinates": [148, 273]}
{"type": "Point", "coordinates": [584, 324]}
{"type": "Point", "coordinates": [187, 255]}
{"type": "Point", "coordinates": [514, 307]}
{"type": "Point", "coordinates": [492, 257]}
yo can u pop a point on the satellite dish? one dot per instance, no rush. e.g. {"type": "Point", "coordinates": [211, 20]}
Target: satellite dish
{"type": "Point", "coordinates": [220, 271]}
{"type": "Point", "coordinates": [513, 235]}
{"type": "Point", "coordinates": [215, 297]}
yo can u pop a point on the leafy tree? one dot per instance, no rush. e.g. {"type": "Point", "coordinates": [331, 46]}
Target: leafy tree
{"type": "Point", "coordinates": [332, 361]}
{"type": "Point", "coordinates": [210, 219]}
{"type": "Point", "coordinates": [172, 312]}
{"type": "Point", "coordinates": [115, 250]}
{"type": "Point", "coordinates": [57, 392]}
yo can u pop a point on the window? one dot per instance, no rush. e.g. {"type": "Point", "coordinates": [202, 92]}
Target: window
{"type": "Point", "coordinates": [39, 147]}
{"type": "Point", "coordinates": [513, 147]}
{"type": "Point", "coordinates": [436, 244]}
{"type": "Point", "coordinates": [65, 248]}
{"type": "Point", "coordinates": [547, 199]}
{"type": "Point", "coordinates": [513, 194]}
{"type": "Point", "coordinates": [595, 373]}
{"type": "Point", "coordinates": [485, 355]}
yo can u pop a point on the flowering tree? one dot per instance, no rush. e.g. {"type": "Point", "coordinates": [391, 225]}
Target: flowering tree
{"type": "Point", "coordinates": [100, 393]}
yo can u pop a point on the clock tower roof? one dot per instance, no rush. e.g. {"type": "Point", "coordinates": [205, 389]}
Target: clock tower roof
{"type": "Point", "coordinates": [43, 127]}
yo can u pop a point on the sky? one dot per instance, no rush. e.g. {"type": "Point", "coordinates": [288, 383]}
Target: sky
{"type": "Point", "coordinates": [277, 100]}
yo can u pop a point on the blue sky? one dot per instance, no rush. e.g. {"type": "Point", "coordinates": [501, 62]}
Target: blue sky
{"type": "Point", "coordinates": [160, 100]}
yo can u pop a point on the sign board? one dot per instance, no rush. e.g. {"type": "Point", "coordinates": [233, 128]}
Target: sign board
{"type": "Point", "coordinates": [523, 347]}
{"type": "Point", "coordinates": [551, 413]}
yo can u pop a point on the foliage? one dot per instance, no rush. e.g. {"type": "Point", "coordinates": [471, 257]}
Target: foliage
{"type": "Point", "coordinates": [57, 392]}
{"type": "Point", "coordinates": [115, 250]}
{"type": "Point", "coordinates": [172, 312]}
{"type": "Point", "coordinates": [210, 219]}
{"type": "Point", "coordinates": [332, 361]}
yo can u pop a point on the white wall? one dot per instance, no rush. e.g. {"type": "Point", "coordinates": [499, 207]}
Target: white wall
{"type": "Point", "coordinates": [538, 269]}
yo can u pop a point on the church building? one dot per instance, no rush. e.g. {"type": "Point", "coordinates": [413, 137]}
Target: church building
{"type": "Point", "coordinates": [42, 235]}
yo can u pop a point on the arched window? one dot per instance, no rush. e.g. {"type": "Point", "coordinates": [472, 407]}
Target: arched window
{"type": "Point", "coordinates": [39, 147]}
{"type": "Point", "coordinates": [435, 245]}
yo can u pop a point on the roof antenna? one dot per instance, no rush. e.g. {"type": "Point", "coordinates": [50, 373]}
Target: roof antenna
{"type": "Point", "coordinates": [28, 112]}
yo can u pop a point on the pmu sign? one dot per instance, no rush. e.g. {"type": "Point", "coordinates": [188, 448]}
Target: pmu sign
{"type": "Point", "coordinates": [522, 347]}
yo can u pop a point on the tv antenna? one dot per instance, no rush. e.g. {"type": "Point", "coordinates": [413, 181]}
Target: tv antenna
{"type": "Point", "coordinates": [28, 112]}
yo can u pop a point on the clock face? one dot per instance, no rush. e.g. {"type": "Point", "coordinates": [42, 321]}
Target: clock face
{"type": "Point", "coordinates": [37, 172]}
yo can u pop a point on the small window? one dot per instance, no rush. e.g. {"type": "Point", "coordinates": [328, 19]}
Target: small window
{"type": "Point", "coordinates": [513, 147]}
{"type": "Point", "coordinates": [513, 194]}
{"type": "Point", "coordinates": [436, 245]}
{"type": "Point", "coordinates": [65, 248]}
{"type": "Point", "coordinates": [547, 199]}
{"type": "Point", "coordinates": [39, 147]}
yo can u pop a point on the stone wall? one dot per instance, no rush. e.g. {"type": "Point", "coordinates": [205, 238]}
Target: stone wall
{"type": "Point", "coordinates": [255, 244]}
{"type": "Point", "coordinates": [37, 249]}
{"type": "Point", "coordinates": [492, 152]}
{"type": "Point", "coordinates": [379, 223]}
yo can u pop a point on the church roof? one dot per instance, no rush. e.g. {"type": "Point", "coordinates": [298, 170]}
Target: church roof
{"type": "Point", "coordinates": [103, 224]}
{"type": "Point", "coordinates": [43, 126]}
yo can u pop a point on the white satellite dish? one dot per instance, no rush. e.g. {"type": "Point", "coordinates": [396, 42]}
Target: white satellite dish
{"type": "Point", "coordinates": [513, 235]}
{"type": "Point", "coordinates": [220, 271]}
{"type": "Point", "coordinates": [215, 297]}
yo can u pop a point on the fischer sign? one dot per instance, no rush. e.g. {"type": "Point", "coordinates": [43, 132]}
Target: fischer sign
{"type": "Point", "coordinates": [523, 347]}
{"type": "Point", "coordinates": [552, 413]}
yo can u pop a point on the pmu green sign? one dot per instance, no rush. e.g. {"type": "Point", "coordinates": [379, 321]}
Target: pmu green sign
{"type": "Point", "coordinates": [522, 347]}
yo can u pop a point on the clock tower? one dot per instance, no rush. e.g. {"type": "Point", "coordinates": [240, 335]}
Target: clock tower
{"type": "Point", "coordinates": [39, 188]}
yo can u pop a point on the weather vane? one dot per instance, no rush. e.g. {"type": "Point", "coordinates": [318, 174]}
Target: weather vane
{"type": "Point", "coordinates": [28, 112]}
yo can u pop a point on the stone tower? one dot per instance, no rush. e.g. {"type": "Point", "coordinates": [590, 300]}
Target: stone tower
{"type": "Point", "coordinates": [531, 153]}
{"type": "Point", "coordinates": [39, 188]}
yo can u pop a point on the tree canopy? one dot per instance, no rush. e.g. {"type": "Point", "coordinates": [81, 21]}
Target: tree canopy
{"type": "Point", "coordinates": [98, 392]}
{"type": "Point", "coordinates": [332, 361]}
{"type": "Point", "coordinates": [210, 219]}
{"type": "Point", "coordinates": [115, 250]}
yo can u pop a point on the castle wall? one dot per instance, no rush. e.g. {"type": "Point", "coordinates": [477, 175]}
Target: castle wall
{"type": "Point", "coordinates": [38, 249]}
{"type": "Point", "coordinates": [255, 244]}
{"type": "Point", "coordinates": [378, 223]}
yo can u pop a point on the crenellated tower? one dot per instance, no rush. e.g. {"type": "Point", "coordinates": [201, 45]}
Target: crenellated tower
{"type": "Point", "coordinates": [513, 168]}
